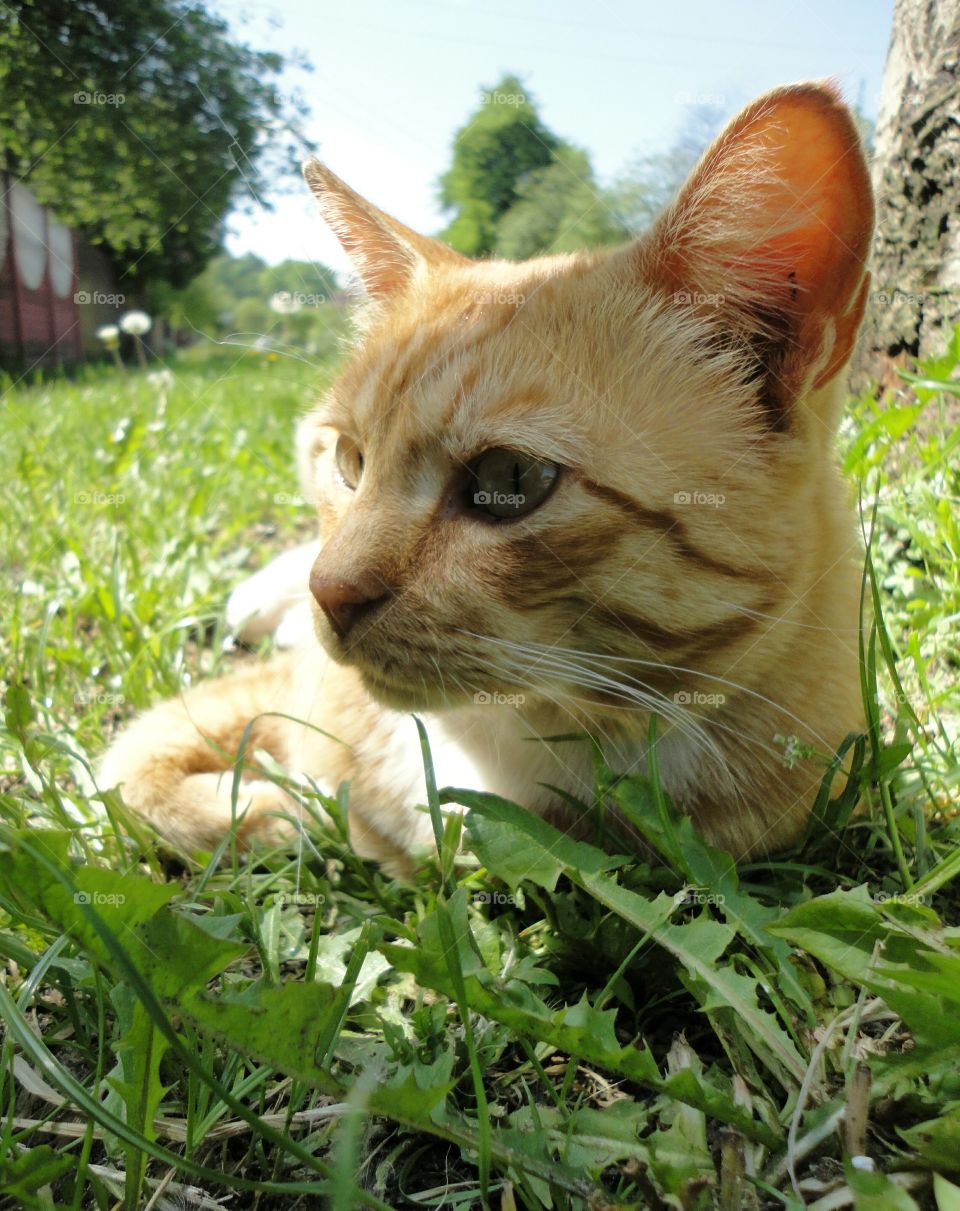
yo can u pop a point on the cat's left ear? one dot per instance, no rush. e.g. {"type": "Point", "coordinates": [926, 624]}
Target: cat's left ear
{"type": "Point", "coordinates": [386, 254]}
{"type": "Point", "coordinates": [769, 239]}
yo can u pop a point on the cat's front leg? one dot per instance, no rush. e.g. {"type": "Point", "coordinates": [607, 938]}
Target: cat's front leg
{"type": "Point", "coordinates": [174, 765]}
{"type": "Point", "coordinates": [275, 599]}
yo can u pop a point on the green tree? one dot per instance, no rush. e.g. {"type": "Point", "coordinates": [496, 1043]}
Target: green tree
{"type": "Point", "coordinates": [559, 208]}
{"type": "Point", "coordinates": [320, 329]}
{"type": "Point", "coordinates": [252, 316]}
{"type": "Point", "coordinates": [298, 277]}
{"type": "Point", "coordinates": [235, 277]}
{"type": "Point", "coordinates": [232, 294]}
{"type": "Point", "coordinates": [503, 141]}
{"type": "Point", "coordinates": [249, 277]}
{"type": "Point", "coordinates": [194, 307]}
{"type": "Point", "coordinates": [142, 123]}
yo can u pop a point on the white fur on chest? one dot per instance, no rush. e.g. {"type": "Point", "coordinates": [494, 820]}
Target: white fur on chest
{"type": "Point", "coordinates": [486, 747]}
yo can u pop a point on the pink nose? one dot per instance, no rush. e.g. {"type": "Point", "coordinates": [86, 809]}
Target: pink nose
{"type": "Point", "coordinates": [345, 602]}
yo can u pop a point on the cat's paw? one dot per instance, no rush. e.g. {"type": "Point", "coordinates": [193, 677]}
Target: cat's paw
{"type": "Point", "coordinates": [296, 626]}
{"type": "Point", "coordinates": [270, 817]}
{"type": "Point", "coordinates": [259, 604]}
{"type": "Point", "coordinates": [203, 808]}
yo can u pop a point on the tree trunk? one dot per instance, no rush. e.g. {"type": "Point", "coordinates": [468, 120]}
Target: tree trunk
{"type": "Point", "coordinates": [916, 257]}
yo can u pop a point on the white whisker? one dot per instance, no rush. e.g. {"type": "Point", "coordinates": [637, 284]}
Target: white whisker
{"type": "Point", "coordinates": [574, 668]}
{"type": "Point", "coordinates": [549, 662]}
{"type": "Point", "coordinates": [794, 622]}
{"type": "Point", "coordinates": [663, 665]}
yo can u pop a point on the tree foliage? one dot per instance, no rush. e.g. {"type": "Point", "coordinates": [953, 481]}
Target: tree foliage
{"type": "Point", "coordinates": [559, 208]}
{"type": "Point", "coordinates": [519, 189]}
{"type": "Point", "coordinates": [501, 142]}
{"type": "Point", "coordinates": [249, 277]}
{"type": "Point", "coordinates": [231, 299]}
{"type": "Point", "coordinates": [141, 123]}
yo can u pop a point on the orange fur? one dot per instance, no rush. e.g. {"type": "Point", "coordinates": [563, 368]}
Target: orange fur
{"type": "Point", "coordinates": [697, 556]}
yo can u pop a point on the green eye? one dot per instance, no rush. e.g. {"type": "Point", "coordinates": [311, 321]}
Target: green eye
{"type": "Point", "coordinates": [349, 461]}
{"type": "Point", "coordinates": [505, 484]}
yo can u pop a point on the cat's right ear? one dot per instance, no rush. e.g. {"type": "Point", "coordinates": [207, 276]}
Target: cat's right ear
{"type": "Point", "coordinates": [386, 254]}
{"type": "Point", "coordinates": [770, 235]}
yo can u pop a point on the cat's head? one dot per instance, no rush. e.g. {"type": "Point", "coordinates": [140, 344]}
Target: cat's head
{"type": "Point", "coordinates": [622, 453]}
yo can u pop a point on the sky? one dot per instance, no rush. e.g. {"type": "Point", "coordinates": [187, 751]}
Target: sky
{"type": "Point", "coordinates": [394, 79]}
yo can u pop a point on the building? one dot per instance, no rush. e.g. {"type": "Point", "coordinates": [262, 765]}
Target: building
{"type": "Point", "coordinates": [56, 288]}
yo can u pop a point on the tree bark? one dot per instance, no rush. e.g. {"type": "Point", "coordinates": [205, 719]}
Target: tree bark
{"type": "Point", "coordinates": [915, 297]}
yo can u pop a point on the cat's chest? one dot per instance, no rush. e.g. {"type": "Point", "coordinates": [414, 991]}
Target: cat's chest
{"type": "Point", "coordinates": [489, 749]}
{"type": "Point", "coordinates": [493, 747]}
{"type": "Point", "coordinates": [501, 752]}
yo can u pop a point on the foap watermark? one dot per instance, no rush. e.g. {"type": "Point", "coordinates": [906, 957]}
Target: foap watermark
{"type": "Point", "coordinates": [913, 898]}
{"type": "Point", "coordinates": [99, 899]}
{"type": "Point", "coordinates": [284, 302]}
{"type": "Point", "coordinates": [300, 899]}
{"type": "Point", "coordinates": [695, 698]}
{"type": "Point", "coordinates": [696, 298]}
{"type": "Point", "coordinates": [495, 96]}
{"type": "Point", "coordinates": [98, 298]}
{"type": "Point", "coordinates": [897, 297]}
{"type": "Point", "coordinates": [511, 500]}
{"type": "Point", "coordinates": [289, 498]}
{"type": "Point", "coordinates": [98, 698]}
{"type": "Point", "coordinates": [499, 298]}
{"type": "Point", "coordinates": [897, 698]}
{"type": "Point", "coordinates": [99, 498]}
{"type": "Point", "coordinates": [697, 98]}
{"type": "Point", "coordinates": [279, 99]}
{"type": "Point", "coordinates": [709, 500]}
{"type": "Point", "coordinates": [98, 98]}
{"type": "Point", "coordinates": [691, 896]}
{"type": "Point", "coordinates": [305, 298]}
{"type": "Point", "coordinates": [503, 898]}
{"type": "Point", "coordinates": [495, 698]}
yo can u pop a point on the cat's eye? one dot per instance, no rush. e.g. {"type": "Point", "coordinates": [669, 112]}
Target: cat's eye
{"type": "Point", "coordinates": [505, 484]}
{"type": "Point", "coordinates": [349, 461]}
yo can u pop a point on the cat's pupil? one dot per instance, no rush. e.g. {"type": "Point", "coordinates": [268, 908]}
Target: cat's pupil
{"type": "Point", "coordinates": [505, 484]}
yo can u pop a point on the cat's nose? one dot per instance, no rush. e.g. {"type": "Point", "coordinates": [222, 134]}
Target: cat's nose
{"type": "Point", "coordinates": [346, 601]}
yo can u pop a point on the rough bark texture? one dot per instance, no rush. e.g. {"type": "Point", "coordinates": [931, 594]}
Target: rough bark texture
{"type": "Point", "coordinates": [916, 258]}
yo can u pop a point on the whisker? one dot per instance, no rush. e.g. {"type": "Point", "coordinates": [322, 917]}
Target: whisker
{"type": "Point", "coordinates": [676, 668]}
{"type": "Point", "coordinates": [692, 728]}
{"type": "Point", "coordinates": [279, 348]}
{"type": "Point", "coordinates": [794, 622]}
{"type": "Point", "coordinates": [633, 695]}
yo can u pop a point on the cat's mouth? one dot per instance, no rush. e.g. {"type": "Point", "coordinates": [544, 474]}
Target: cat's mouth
{"type": "Point", "coordinates": [400, 695]}
{"type": "Point", "coordinates": [415, 673]}
{"type": "Point", "coordinates": [407, 681]}
{"type": "Point", "coordinates": [422, 680]}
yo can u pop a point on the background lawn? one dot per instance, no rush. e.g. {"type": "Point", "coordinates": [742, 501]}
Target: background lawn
{"type": "Point", "coordinates": [541, 1026]}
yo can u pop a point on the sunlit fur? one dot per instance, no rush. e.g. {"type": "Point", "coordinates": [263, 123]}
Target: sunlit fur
{"type": "Point", "coordinates": [698, 558]}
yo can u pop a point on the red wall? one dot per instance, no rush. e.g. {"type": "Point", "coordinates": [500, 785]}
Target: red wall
{"type": "Point", "coordinates": [38, 325]}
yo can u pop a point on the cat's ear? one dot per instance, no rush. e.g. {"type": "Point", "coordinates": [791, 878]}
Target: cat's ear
{"type": "Point", "coordinates": [772, 231]}
{"type": "Point", "coordinates": [385, 253]}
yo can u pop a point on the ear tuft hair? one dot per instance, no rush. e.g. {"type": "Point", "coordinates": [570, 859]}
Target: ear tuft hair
{"type": "Point", "coordinates": [770, 235]}
{"type": "Point", "coordinates": [385, 253]}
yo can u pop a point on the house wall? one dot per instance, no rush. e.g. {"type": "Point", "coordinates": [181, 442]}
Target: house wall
{"type": "Point", "coordinates": [55, 288]}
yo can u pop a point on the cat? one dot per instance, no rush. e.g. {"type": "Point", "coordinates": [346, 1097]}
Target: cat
{"type": "Point", "coordinates": [556, 496]}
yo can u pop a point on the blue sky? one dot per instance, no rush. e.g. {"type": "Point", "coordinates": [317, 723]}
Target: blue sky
{"type": "Point", "coordinates": [394, 79]}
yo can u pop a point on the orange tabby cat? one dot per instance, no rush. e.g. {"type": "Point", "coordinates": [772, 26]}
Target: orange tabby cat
{"type": "Point", "coordinates": [556, 496]}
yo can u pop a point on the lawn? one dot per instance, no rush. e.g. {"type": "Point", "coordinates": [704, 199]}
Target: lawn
{"type": "Point", "coordinates": [543, 1025]}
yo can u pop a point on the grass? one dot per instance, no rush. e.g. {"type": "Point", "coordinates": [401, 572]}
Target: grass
{"type": "Point", "coordinates": [543, 1026]}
